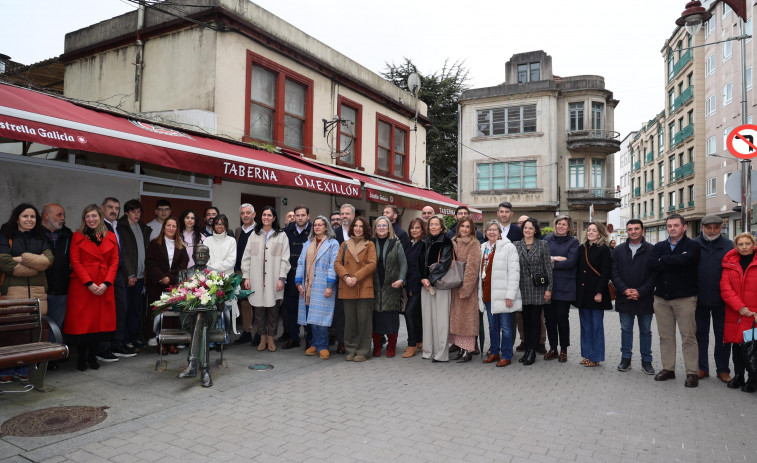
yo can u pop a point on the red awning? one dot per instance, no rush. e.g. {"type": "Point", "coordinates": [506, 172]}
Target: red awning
{"type": "Point", "coordinates": [385, 191]}
{"type": "Point", "coordinates": [35, 117]}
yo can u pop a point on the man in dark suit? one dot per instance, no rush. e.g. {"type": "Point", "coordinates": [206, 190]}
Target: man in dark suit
{"type": "Point", "coordinates": [347, 214]}
{"type": "Point", "coordinates": [505, 215]}
{"type": "Point", "coordinates": [298, 233]}
{"type": "Point", "coordinates": [110, 208]}
{"type": "Point", "coordinates": [392, 212]}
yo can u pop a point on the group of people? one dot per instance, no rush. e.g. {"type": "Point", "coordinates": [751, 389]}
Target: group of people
{"type": "Point", "coordinates": [346, 281]}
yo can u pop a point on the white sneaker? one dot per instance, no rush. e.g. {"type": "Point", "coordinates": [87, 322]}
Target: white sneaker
{"type": "Point", "coordinates": [152, 342]}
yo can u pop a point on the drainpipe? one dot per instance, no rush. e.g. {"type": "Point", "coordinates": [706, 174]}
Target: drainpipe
{"type": "Point", "coordinates": [139, 63]}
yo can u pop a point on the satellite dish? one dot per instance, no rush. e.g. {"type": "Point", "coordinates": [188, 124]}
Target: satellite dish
{"type": "Point", "coordinates": [414, 83]}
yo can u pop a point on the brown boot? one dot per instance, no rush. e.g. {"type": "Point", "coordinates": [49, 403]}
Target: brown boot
{"type": "Point", "coordinates": [410, 352]}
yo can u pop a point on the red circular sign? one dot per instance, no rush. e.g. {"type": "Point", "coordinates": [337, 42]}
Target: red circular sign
{"type": "Point", "coordinates": [742, 141]}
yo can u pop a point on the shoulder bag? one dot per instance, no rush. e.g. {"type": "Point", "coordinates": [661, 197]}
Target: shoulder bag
{"type": "Point", "coordinates": [539, 278]}
{"type": "Point", "coordinates": [610, 286]}
{"type": "Point", "coordinates": [749, 350]}
{"type": "Point", "coordinates": [454, 276]}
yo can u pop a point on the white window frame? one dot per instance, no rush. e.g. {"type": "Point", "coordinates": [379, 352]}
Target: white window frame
{"type": "Point", "coordinates": [711, 187]}
{"type": "Point", "coordinates": [709, 28]}
{"type": "Point", "coordinates": [726, 131]}
{"type": "Point", "coordinates": [748, 29]}
{"type": "Point", "coordinates": [521, 169]}
{"type": "Point", "coordinates": [727, 50]}
{"type": "Point", "coordinates": [711, 146]}
{"type": "Point", "coordinates": [726, 10]}
{"type": "Point", "coordinates": [710, 105]}
{"type": "Point", "coordinates": [710, 65]}
{"type": "Point", "coordinates": [728, 93]}
{"type": "Point", "coordinates": [748, 78]}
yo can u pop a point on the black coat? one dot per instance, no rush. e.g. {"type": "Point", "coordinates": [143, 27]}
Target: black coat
{"type": "Point", "coordinates": [711, 268]}
{"type": "Point", "coordinates": [156, 268]}
{"type": "Point", "coordinates": [339, 232]}
{"type": "Point", "coordinates": [514, 233]}
{"type": "Point", "coordinates": [413, 278]}
{"type": "Point", "coordinates": [59, 274]}
{"type": "Point", "coordinates": [675, 270]}
{"type": "Point", "coordinates": [401, 235]}
{"type": "Point", "coordinates": [128, 245]}
{"type": "Point", "coordinates": [434, 249]}
{"type": "Point", "coordinates": [633, 273]}
{"type": "Point", "coordinates": [588, 283]}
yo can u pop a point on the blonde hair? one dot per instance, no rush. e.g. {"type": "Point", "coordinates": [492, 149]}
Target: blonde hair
{"type": "Point", "coordinates": [604, 237]}
{"type": "Point", "coordinates": [101, 229]}
{"type": "Point", "coordinates": [744, 235]}
{"type": "Point", "coordinates": [389, 222]}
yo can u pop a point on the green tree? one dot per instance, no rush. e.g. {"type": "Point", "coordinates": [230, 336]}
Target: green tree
{"type": "Point", "coordinates": [440, 91]}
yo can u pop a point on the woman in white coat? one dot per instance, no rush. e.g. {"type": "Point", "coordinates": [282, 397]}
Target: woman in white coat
{"type": "Point", "coordinates": [265, 264]}
{"type": "Point", "coordinates": [223, 256]}
{"type": "Point", "coordinates": [499, 291]}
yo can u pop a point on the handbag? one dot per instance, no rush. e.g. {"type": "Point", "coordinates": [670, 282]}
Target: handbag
{"type": "Point", "coordinates": [454, 276]}
{"type": "Point", "coordinates": [610, 286]}
{"type": "Point", "coordinates": [749, 351]}
{"type": "Point", "coordinates": [539, 278]}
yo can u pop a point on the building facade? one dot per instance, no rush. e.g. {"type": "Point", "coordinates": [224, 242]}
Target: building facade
{"type": "Point", "coordinates": [541, 142]}
{"type": "Point", "coordinates": [620, 215]}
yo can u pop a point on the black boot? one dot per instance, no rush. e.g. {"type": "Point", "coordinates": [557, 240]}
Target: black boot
{"type": "Point", "coordinates": [91, 359]}
{"type": "Point", "coordinates": [245, 338]}
{"type": "Point", "coordinates": [751, 384]}
{"type": "Point", "coordinates": [736, 382]}
{"type": "Point", "coordinates": [460, 353]}
{"type": "Point", "coordinates": [81, 360]}
{"type": "Point", "coordinates": [205, 380]}
{"type": "Point", "coordinates": [190, 371]}
{"type": "Point", "coordinates": [530, 357]}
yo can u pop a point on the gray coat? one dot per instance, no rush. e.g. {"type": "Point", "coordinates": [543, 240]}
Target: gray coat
{"type": "Point", "coordinates": [534, 261]}
{"type": "Point", "coordinates": [388, 299]}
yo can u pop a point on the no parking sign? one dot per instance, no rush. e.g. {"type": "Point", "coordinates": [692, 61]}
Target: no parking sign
{"type": "Point", "coordinates": [742, 141]}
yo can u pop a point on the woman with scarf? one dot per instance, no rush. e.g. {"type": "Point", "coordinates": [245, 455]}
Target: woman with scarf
{"type": "Point", "coordinates": [354, 266]}
{"type": "Point", "coordinates": [437, 253]}
{"type": "Point", "coordinates": [388, 280]}
{"type": "Point", "coordinates": [315, 279]}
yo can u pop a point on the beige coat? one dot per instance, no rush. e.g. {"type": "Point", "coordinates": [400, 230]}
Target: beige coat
{"type": "Point", "coordinates": [264, 264]}
{"type": "Point", "coordinates": [463, 310]}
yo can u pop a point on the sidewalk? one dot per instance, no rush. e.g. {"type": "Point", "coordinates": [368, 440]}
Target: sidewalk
{"type": "Point", "coordinates": [393, 410]}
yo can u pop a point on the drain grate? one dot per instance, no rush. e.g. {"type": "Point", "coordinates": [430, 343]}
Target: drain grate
{"type": "Point", "coordinates": [261, 367]}
{"type": "Point", "coordinates": [52, 421]}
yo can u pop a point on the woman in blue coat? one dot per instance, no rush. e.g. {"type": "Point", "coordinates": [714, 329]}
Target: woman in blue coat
{"type": "Point", "coordinates": [315, 279]}
{"type": "Point", "coordinates": [563, 253]}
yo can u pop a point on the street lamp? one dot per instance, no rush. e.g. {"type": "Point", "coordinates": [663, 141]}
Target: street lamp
{"type": "Point", "coordinates": [692, 19]}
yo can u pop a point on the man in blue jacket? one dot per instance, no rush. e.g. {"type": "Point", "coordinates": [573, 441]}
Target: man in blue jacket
{"type": "Point", "coordinates": [634, 289]}
{"type": "Point", "coordinates": [713, 246]}
{"type": "Point", "coordinates": [674, 262]}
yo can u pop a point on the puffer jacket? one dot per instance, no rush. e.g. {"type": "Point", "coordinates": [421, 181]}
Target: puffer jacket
{"type": "Point", "coordinates": [738, 289]}
{"type": "Point", "coordinates": [505, 279]}
{"type": "Point", "coordinates": [25, 279]}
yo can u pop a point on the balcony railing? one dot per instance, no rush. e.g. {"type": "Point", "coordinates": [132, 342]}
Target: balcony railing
{"type": "Point", "coordinates": [691, 203]}
{"type": "Point", "coordinates": [650, 185]}
{"type": "Point", "coordinates": [682, 99]}
{"type": "Point", "coordinates": [672, 208]}
{"type": "Point", "coordinates": [637, 165]}
{"type": "Point", "coordinates": [637, 191]}
{"type": "Point", "coordinates": [680, 64]}
{"type": "Point", "coordinates": [684, 134]}
{"type": "Point", "coordinates": [593, 133]}
{"type": "Point", "coordinates": [649, 157]}
{"type": "Point", "coordinates": [687, 169]}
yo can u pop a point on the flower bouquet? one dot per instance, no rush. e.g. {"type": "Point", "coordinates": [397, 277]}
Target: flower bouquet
{"type": "Point", "coordinates": [204, 290]}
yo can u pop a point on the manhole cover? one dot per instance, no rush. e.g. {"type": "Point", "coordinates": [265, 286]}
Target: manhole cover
{"type": "Point", "coordinates": [261, 366]}
{"type": "Point", "coordinates": [52, 421]}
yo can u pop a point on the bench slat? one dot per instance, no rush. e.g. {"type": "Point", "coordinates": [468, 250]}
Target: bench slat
{"type": "Point", "coordinates": [27, 354]}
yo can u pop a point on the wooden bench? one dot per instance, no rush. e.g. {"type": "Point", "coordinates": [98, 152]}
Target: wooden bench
{"type": "Point", "coordinates": [169, 336]}
{"type": "Point", "coordinates": [21, 328]}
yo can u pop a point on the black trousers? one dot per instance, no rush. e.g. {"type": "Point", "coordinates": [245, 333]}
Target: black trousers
{"type": "Point", "coordinates": [557, 319]}
{"type": "Point", "coordinates": [532, 325]}
{"type": "Point", "coordinates": [739, 366]}
{"type": "Point", "coordinates": [413, 320]}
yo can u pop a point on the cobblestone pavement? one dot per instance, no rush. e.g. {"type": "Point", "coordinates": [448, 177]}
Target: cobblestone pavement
{"type": "Point", "coordinates": [393, 410]}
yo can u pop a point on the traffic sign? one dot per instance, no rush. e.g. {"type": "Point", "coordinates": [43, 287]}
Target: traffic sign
{"type": "Point", "coordinates": [733, 185]}
{"type": "Point", "coordinates": [742, 141]}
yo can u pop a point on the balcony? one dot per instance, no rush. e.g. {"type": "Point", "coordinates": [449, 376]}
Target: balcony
{"type": "Point", "coordinates": [636, 165]}
{"type": "Point", "coordinates": [637, 191]}
{"type": "Point", "coordinates": [649, 157]}
{"type": "Point", "coordinates": [691, 203]}
{"type": "Point", "coordinates": [594, 141]}
{"type": "Point", "coordinates": [686, 170]}
{"type": "Point", "coordinates": [682, 99]}
{"type": "Point", "coordinates": [683, 135]}
{"type": "Point", "coordinates": [680, 64]}
{"type": "Point", "coordinates": [672, 208]}
{"type": "Point", "coordinates": [650, 185]}
{"type": "Point", "coordinates": [681, 206]}
{"type": "Point", "coordinates": [605, 199]}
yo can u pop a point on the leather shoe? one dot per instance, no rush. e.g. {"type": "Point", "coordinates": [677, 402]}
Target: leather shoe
{"type": "Point", "coordinates": [291, 345]}
{"type": "Point", "coordinates": [460, 353]}
{"type": "Point", "coordinates": [503, 363]}
{"type": "Point", "coordinates": [466, 357]}
{"type": "Point", "coordinates": [701, 374]}
{"type": "Point", "coordinates": [725, 377]}
{"type": "Point", "coordinates": [691, 381]}
{"type": "Point", "coordinates": [749, 386]}
{"type": "Point", "coordinates": [551, 355]}
{"type": "Point", "coordinates": [492, 359]}
{"type": "Point", "coordinates": [530, 357]}
{"type": "Point", "coordinates": [736, 382]}
{"type": "Point", "coordinates": [665, 375]}
{"type": "Point", "coordinates": [190, 371]}
{"type": "Point", "coordinates": [521, 347]}
{"type": "Point", "coordinates": [453, 348]}
{"type": "Point", "coordinates": [340, 349]}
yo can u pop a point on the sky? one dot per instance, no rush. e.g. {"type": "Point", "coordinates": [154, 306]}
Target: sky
{"type": "Point", "coordinates": [620, 41]}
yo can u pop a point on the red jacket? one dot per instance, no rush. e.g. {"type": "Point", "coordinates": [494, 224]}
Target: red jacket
{"type": "Point", "coordinates": [738, 289]}
{"type": "Point", "coordinates": [85, 312]}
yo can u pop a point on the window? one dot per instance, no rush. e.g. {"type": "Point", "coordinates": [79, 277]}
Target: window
{"type": "Point", "coordinates": [711, 187]}
{"type": "Point", "coordinates": [576, 113]}
{"type": "Point", "coordinates": [506, 121]}
{"type": "Point", "coordinates": [680, 197]}
{"type": "Point", "coordinates": [280, 104]}
{"type": "Point", "coordinates": [672, 130]}
{"type": "Point", "coordinates": [691, 195]}
{"type": "Point", "coordinates": [391, 147]}
{"type": "Point", "coordinates": [661, 169]}
{"type": "Point", "coordinates": [535, 69]}
{"type": "Point", "coordinates": [726, 10]}
{"type": "Point", "coordinates": [506, 175]}
{"type": "Point", "coordinates": [661, 202]}
{"type": "Point", "coordinates": [597, 109]}
{"type": "Point", "coordinates": [690, 152]}
{"type": "Point", "coordinates": [661, 138]}
{"type": "Point", "coordinates": [749, 78]}
{"type": "Point", "coordinates": [727, 93]}
{"type": "Point", "coordinates": [690, 118]}
{"type": "Point", "coordinates": [709, 27]}
{"type": "Point", "coordinates": [349, 138]}
{"type": "Point", "coordinates": [672, 199]}
{"type": "Point", "coordinates": [671, 99]}
{"type": "Point", "coordinates": [651, 206]}
{"type": "Point", "coordinates": [522, 73]}
{"type": "Point", "coordinates": [709, 65]}
{"type": "Point", "coordinates": [726, 131]}
{"type": "Point", "coordinates": [727, 50]}
{"type": "Point", "coordinates": [670, 64]}
{"type": "Point", "coordinates": [597, 173]}
{"type": "Point", "coordinates": [710, 105]}
{"type": "Point", "coordinates": [711, 146]}
{"type": "Point", "coordinates": [576, 168]}
{"type": "Point", "coordinates": [748, 28]}
{"type": "Point", "coordinates": [672, 164]}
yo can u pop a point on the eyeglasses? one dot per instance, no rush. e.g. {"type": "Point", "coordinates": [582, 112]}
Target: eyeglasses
{"type": "Point", "coordinates": [383, 225]}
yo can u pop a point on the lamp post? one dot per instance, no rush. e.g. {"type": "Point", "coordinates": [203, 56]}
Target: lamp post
{"type": "Point", "coordinates": [692, 19]}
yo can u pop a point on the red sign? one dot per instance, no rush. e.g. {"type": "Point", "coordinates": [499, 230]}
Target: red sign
{"type": "Point", "coordinates": [742, 141]}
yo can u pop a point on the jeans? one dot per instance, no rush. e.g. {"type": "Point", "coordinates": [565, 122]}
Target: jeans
{"type": "Point", "coordinates": [500, 332]}
{"type": "Point", "coordinates": [133, 311]}
{"type": "Point", "coordinates": [557, 319]}
{"type": "Point", "coordinates": [320, 334]}
{"type": "Point", "coordinates": [645, 336]}
{"type": "Point", "coordinates": [592, 334]}
{"type": "Point", "coordinates": [56, 311]}
{"type": "Point", "coordinates": [722, 351]}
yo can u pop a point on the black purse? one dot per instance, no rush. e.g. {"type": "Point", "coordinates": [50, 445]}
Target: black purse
{"type": "Point", "coordinates": [539, 278]}
{"type": "Point", "coordinates": [749, 351]}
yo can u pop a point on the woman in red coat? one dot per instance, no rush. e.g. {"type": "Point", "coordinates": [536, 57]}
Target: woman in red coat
{"type": "Point", "coordinates": [738, 288]}
{"type": "Point", "coordinates": [91, 306]}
